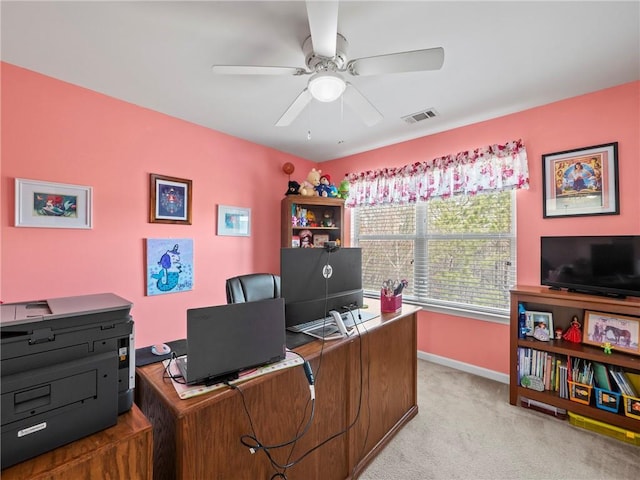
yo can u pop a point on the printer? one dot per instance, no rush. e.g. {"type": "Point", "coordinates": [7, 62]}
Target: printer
{"type": "Point", "coordinates": [67, 370]}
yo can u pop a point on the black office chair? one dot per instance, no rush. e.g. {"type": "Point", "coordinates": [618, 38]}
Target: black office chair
{"type": "Point", "coordinates": [252, 287]}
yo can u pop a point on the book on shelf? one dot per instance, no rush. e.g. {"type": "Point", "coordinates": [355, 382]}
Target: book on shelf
{"type": "Point", "coordinates": [622, 382]}
{"type": "Point", "coordinates": [540, 364]}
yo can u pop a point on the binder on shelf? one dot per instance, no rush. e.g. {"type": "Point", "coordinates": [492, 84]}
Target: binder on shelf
{"type": "Point", "coordinates": [601, 376]}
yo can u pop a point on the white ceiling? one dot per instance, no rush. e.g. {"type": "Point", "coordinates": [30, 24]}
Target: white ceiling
{"type": "Point", "coordinates": [500, 58]}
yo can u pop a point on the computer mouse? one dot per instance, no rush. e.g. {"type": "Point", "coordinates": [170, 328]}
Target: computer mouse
{"type": "Point", "coordinates": [160, 349]}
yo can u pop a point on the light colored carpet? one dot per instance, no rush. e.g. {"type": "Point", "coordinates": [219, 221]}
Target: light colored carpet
{"type": "Point", "coordinates": [466, 429]}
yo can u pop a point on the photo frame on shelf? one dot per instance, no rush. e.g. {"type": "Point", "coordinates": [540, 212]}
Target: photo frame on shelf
{"type": "Point", "coordinates": [621, 331]}
{"type": "Point", "coordinates": [581, 182]}
{"type": "Point", "coordinates": [52, 205]}
{"type": "Point", "coordinates": [234, 221]}
{"type": "Point", "coordinates": [170, 200]}
{"type": "Point", "coordinates": [319, 239]}
{"type": "Point", "coordinates": [538, 322]}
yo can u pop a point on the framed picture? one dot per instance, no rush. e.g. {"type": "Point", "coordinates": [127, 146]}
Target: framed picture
{"type": "Point", "coordinates": [52, 205]}
{"type": "Point", "coordinates": [170, 200]}
{"type": "Point", "coordinates": [320, 239]}
{"type": "Point", "coordinates": [581, 182]}
{"type": "Point", "coordinates": [169, 265]}
{"type": "Point", "coordinates": [619, 330]}
{"type": "Point", "coordinates": [538, 322]}
{"type": "Point", "coordinates": [234, 221]}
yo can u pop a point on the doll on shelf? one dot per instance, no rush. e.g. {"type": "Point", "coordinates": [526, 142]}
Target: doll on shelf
{"type": "Point", "coordinates": [573, 333]}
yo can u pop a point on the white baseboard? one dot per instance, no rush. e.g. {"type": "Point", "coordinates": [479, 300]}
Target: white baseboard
{"type": "Point", "coordinates": [465, 367]}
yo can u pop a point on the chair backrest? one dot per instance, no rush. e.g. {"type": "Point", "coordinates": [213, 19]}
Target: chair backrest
{"type": "Point", "coordinates": [252, 287]}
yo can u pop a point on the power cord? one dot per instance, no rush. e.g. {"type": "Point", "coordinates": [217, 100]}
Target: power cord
{"type": "Point", "coordinates": [252, 442]}
{"type": "Point", "coordinates": [254, 445]}
{"type": "Point", "coordinates": [167, 371]}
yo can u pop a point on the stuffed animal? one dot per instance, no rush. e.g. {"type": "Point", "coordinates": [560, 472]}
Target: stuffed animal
{"type": "Point", "coordinates": [326, 188]}
{"type": "Point", "coordinates": [308, 186]}
{"type": "Point", "coordinates": [343, 189]}
{"type": "Point", "coordinates": [327, 218]}
{"type": "Point", "coordinates": [294, 188]}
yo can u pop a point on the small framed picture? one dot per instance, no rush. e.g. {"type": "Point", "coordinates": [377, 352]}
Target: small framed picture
{"type": "Point", "coordinates": [320, 239]}
{"type": "Point", "coordinates": [52, 205]}
{"type": "Point", "coordinates": [620, 331]}
{"type": "Point", "coordinates": [170, 200]}
{"type": "Point", "coordinates": [234, 221]}
{"type": "Point", "coordinates": [539, 325]}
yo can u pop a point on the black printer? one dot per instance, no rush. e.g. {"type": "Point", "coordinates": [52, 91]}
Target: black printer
{"type": "Point", "coordinates": [67, 370]}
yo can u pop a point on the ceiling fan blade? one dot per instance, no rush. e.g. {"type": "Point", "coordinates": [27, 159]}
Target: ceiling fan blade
{"type": "Point", "coordinates": [295, 108]}
{"type": "Point", "coordinates": [256, 70]}
{"type": "Point", "coordinates": [352, 97]}
{"type": "Point", "coordinates": [414, 61]}
{"type": "Point", "coordinates": [323, 23]}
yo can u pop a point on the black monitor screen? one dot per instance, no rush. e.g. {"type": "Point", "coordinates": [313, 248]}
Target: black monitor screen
{"type": "Point", "coordinates": [594, 264]}
{"type": "Point", "coordinates": [315, 281]}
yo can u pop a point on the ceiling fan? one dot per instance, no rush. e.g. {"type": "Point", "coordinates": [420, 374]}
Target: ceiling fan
{"type": "Point", "coordinates": [326, 60]}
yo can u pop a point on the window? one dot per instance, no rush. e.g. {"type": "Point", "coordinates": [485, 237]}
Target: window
{"type": "Point", "coordinates": [457, 253]}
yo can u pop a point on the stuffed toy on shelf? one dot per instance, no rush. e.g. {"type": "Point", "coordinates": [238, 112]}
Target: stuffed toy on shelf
{"type": "Point", "coordinates": [326, 188]}
{"type": "Point", "coordinates": [343, 189]}
{"type": "Point", "coordinates": [308, 186]}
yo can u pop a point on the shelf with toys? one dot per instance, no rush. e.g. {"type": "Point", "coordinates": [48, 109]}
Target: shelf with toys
{"type": "Point", "coordinates": [313, 212]}
{"type": "Point", "coordinates": [532, 358]}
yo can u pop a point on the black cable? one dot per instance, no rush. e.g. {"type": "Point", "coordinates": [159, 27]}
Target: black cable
{"type": "Point", "coordinates": [167, 372]}
{"type": "Point", "coordinates": [252, 442]}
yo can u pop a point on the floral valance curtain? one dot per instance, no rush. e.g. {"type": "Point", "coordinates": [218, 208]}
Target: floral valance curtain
{"type": "Point", "coordinates": [490, 168]}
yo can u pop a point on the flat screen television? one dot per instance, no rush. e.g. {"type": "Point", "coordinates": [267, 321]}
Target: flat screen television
{"type": "Point", "coordinates": [315, 281]}
{"type": "Point", "coordinates": [603, 265]}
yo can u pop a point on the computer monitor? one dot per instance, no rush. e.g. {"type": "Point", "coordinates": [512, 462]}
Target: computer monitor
{"type": "Point", "coordinates": [224, 340]}
{"type": "Point", "coordinates": [315, 281]}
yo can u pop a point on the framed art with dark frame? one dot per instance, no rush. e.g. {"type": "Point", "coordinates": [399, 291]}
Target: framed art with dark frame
{"type": "Point", "coordinates": [620, 331]}
{"type": "Point", "coordinates": [170, 200]}
{"type": "Point", "coordinates": [581, 182]}
{"type": "Point", "coordinates": [52, 205]}
{"type": "Point", "coordinates": [234, 221]}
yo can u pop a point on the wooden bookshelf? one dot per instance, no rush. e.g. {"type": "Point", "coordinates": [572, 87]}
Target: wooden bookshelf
{"type": "Point", "coordinates": [564, 305]}
{"type": "Point", "coordinates": [318, 205]}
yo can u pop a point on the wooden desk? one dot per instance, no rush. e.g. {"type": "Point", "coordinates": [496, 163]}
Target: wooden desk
{"type": "Point", "coordinates": [119, 452]}
{"type": "Point", "coordinates": [199, 437]}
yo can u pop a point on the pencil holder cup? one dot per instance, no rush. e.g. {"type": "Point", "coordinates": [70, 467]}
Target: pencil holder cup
{"type": "Point", "coordinates": [390, 303]}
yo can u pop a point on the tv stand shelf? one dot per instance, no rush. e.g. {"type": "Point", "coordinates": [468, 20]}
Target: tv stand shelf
{"type": "Point", "coordinates": [564, 305]}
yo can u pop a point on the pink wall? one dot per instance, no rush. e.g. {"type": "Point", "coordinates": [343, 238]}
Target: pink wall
{"type": "Point", "coordinates": [606, 116]}
{"type": "Point", "coordinates": [58, 132]}
{"type": "Point", "coordinates": [62, 133]}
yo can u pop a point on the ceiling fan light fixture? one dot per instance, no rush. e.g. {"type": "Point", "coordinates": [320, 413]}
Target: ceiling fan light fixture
{"type": "Point", "coordinates": [326, 86]}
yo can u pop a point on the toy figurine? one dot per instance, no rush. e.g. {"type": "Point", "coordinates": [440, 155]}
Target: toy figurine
{"type": "Point", "coordinates": [607, 348]}
{"type": "Point", "coordinates": [573, 333]}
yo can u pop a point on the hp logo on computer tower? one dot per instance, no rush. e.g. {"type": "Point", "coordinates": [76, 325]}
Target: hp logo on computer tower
{"type": "Point", "coordinates": [327, 271]}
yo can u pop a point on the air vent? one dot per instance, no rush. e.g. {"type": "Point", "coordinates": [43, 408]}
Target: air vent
{"type": "Point", "coordinates": [420, 116]}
